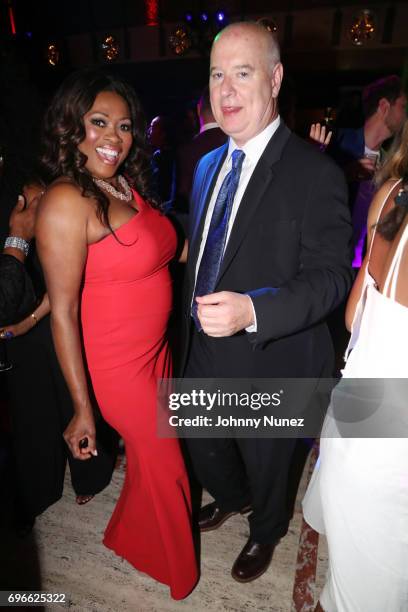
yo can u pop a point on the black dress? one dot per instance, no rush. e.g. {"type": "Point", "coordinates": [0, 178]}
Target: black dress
{"type": "Point", "coordinates": [17, 297]}
{"type": "Point", "coordinates": [40, 410]}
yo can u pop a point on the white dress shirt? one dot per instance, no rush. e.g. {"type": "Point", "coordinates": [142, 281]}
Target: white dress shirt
{"type": "Point", "coordinates": [253, 150]}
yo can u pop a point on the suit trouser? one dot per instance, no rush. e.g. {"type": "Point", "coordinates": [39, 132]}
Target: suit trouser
{"type": "Point", "coordinates": [240, 471]}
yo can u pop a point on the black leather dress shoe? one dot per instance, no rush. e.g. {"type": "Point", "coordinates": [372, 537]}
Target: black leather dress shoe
{"type": "Point", "coordinates": [252, 561]}
{"type": "Point", "coordinates": [211, 516]}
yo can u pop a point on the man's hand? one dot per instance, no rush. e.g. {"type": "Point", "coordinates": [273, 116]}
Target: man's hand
{"type": "Point", "coordinates": [224, 313]}
{"type": "Point", "coordinates": [360, 170]}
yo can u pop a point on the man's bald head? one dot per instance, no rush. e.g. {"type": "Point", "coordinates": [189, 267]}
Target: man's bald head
{"type": "Point", "coordinates": [245, 78]}
{"type": "Point", "coordinates": [264, 37]}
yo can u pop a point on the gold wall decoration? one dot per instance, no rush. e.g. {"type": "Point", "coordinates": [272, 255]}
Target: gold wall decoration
{"type": "Point", "coordinates": [363, 28]}
{"type": "Point", "coordinates": [180, 41]}
{"type": "Point", "coordinates": [53, 54]}
{"type": "Point", "coordinates": [110, 48]}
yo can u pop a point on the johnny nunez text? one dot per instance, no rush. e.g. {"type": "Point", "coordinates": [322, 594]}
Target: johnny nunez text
{"type": "Point", "coordinates": [205, 421]}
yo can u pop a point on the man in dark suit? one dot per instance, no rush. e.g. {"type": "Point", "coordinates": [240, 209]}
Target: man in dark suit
{"type": "Point", "coordinates": [284, 265]}
{"type": "Point", "coordinates": [209, 137]}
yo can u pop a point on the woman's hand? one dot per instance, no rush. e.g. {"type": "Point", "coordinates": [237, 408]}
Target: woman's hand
{"type": "Point", "coordinates": [24, 326]}
{"type": "Point", "coordinates": [318, 135]}
{"type": "Point", "coordinates": [19, 329]}
{"type": "Point", "coordinates": [81, 428]}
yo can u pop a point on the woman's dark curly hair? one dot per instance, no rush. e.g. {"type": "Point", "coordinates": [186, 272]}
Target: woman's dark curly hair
{"type": "Point", "coordinates": [64, 130]}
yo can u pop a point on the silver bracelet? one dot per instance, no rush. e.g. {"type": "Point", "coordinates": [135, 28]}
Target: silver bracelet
{"type": "Point", "coordinates": [14, 242]}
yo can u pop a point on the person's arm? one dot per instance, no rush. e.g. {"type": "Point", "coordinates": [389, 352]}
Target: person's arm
{"type": "Point", "coordinates": [325, 273]}
{"type": "Point", "coordinates": [24, 326]}
{"type": "Point", "coordinates": [15, 284]}
{"type": "Point", "coordinates": [355, 295]}
{"type": "Point", "coordinates": [61, 234]}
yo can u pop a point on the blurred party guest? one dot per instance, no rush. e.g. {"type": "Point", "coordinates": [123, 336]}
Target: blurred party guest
{"type": "Point", "coordinates": [105, 248]}
{"type": "Point", "coordinates": [209, 137]}
{"type": "Point", "coordinates": [160, 137]}
{"type": "Point", "coordinates": [41, 408]}
{"type": "Point", "coordinates": [17, 296]}
{"type": "Point", "coordinates": [358, 150]}
{"type": "Point", "coordinates": [358, 495]}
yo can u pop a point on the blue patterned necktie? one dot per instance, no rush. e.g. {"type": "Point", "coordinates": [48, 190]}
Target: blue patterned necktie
{"type": "Point", "coordinates": [217, 234]}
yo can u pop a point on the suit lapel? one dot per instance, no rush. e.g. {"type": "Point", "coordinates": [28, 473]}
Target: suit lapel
{"type": "Point", "coordinates": [260, 180]}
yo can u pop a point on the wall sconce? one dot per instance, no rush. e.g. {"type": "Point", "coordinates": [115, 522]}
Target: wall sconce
{"type": "Point", "coordinates": [110, 49]}
{"type": "Point", "coordinates": [363, 28]}
{"type": "Point", "coordinates": [53, 54]}
{"type": "Point", "coordinates": [180, 41]}
{"type": "Point", "coordinates": [197, 32]}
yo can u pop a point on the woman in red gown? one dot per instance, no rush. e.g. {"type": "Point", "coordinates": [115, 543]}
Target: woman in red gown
{"type": "Point", "coordinates": [105, 248]}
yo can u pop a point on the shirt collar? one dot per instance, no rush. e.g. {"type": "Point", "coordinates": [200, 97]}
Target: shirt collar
{"type": "Point", "coordinates": [254, 148]}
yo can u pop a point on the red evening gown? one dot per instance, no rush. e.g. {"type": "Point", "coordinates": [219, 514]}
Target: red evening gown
{"type": "Point", "coordinates": [126, 303]}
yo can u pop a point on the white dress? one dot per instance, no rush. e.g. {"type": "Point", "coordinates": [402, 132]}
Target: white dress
{"type": "Point", "coordinates": [358, 494]}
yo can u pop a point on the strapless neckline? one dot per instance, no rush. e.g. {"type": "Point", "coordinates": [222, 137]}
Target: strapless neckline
{"type": "Point", "coordinates": [118, 229]}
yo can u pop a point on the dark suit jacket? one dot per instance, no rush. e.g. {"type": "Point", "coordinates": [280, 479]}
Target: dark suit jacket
{"type": "Point", "coordinates": [187, 158]}
{"type": "Point", "coordinates": [289, 249]}
{"type": "Point", "coordinates": [347, 145]}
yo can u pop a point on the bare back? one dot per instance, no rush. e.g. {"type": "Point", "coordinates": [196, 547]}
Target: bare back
{"type": "Point", "coordinates": [383, 253]}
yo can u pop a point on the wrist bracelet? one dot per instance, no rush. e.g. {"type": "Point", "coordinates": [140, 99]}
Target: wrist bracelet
{"type": "Point", "coordinates": [14, 242]}
{"type": "Point", "coordinates": [32, 315]}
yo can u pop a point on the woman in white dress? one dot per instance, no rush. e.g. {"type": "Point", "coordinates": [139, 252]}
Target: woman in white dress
{"type": "Point", "coordinates": [358, 495]}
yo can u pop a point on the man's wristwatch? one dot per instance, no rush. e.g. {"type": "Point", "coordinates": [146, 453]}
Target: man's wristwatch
{"type": "Point", "coordinates": [14, 242]}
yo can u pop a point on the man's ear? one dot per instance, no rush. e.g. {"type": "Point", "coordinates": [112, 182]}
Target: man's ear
{"type": "Point", "coordinates": [277, 76]}
{"type": "Point", "coordinates": [383, 107]}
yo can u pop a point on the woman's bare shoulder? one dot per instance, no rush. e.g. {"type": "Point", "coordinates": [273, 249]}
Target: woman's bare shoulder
{"type": "Point", "coordinates": [384, 193]}
{"type": "Point", "coordinates": [63, 187]}
{"type": "Point", "coordinates": [387, 188]}
{"type": "Point", "coordinates": [64, 197]}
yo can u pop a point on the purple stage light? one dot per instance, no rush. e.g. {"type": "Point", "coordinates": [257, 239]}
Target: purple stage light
{"type": "Point", "coordinates": [189, 17]}
{"type": "Point", "coordinates": [204, 16]}
{"type": "Point", "coordinates": [220, 16]}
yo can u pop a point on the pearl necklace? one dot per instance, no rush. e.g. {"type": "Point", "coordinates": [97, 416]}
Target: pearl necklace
{"type": "Point", "coordinates": [126, 196]}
